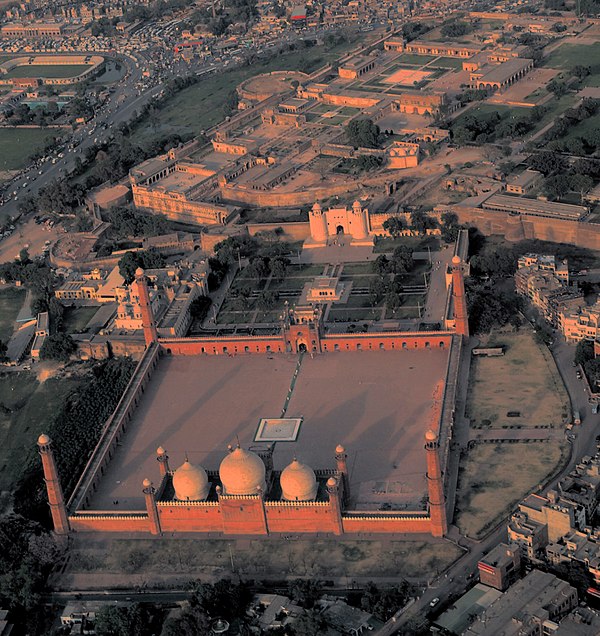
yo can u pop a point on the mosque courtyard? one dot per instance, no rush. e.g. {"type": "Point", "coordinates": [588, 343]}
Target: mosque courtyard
{"type": "Point", "coordinates": [378, 404]}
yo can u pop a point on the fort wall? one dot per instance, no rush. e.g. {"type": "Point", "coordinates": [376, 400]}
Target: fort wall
{"type": "Point", "coordinates": [296, 231]}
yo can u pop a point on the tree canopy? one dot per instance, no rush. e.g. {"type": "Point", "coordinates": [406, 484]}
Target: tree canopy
{"type": "Point", "coordinates": [363, 133]}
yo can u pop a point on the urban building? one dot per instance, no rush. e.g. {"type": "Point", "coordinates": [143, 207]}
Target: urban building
{"type": "Point", "coordinates": [500, 567]}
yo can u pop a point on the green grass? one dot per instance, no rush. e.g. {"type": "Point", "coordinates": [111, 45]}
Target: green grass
{"type": "Point", "coordinates": [28, 406]}
{"type": "Point", "coordinates": [449, 62]}
{"type": "Point", "coordinates": [570, 55]}
{"type": "Point", "coordinates": [47, 70]}
{"type": "Point", "coordinates": [414, 59]}
{"type": "Point", "coordinates": [200, 107]}
{"type": "Point", "coordinates": [11, 300]}
{"type": "Point", "coordinates": [18, 144]}
{"type": "Point", "coordinates": [76, 318]}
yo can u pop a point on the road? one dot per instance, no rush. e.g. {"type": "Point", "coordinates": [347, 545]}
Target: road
{"type": "Point", "coordinates": [455, 580]}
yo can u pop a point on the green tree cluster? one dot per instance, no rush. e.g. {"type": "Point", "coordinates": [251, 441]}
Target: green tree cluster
{"type": "Point", "coordinates": [127, 222]}
{"type": "Point", "coordinates": [75, 428]}
{"type": "Point", "coordinates": [146, 259]}
{"type": "Point", "coordinates": [363, 133]}
{"type": "Point", "coordinates": [58, 346]}
{"type": "Point", "coordinates": [455, 29]}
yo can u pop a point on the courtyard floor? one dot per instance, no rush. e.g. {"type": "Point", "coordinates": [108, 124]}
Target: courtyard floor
{"type": "Point", "coordinates": [377, 404]}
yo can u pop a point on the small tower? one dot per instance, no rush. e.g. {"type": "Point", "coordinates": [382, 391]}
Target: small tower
{"type": "Point", "coordinates": [435, 486]}
{"type": "Point", "coordinates": [461, 318]}
{"type": "Point", "coordinates": [56, 500]}
{"type": "Point", "coordinates": [163, 461]}
{"type": "Point", "coordinates": [342, 466]}
{"type": "Point", "coordinates": [359, 222]}
{"type": "Point", "coordinates": [151, 507]}
{"type": "Point", "coordinates": [318, 224]}
{"type": "Point", "coordinates": [148, 323]}
{"type": "Point", "coordinates": [335, 505]}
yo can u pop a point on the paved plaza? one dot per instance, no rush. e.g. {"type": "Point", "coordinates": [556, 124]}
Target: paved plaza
{"type": "Point", "coordinates": [377, 404]}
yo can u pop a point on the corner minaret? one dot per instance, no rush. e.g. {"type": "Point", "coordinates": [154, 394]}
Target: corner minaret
{"type": "Point", "coordinates": [435, 486]}
{"type": "Point", "coordinates": [461, 318]}
{"type": "Point", "coordinates": [163, 461]}
{"type": "Point", "coordinates": [148, 324]}
{"type": "Point", "coordinates": [56, 500]}
{"type": "Point", "coordinates": [151, 508]}
{"type": "Point", "coordinates": [342, 467]}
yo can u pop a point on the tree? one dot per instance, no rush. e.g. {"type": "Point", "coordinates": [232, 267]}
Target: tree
{"type": "Point", "coordinates": [363, 133]}
{"type": "Point", "coordinates": [199, 307]}
{"type": "Point", "coordinates": [557, 186]}
{"type": "Point", "coordinates": [547, 162]}
{"type": "Point", "coordinates": [584, 352]}
{"type": "Point", "coordinates": [305, 591]}
{"type": "Point", "coordinates": [279, 266]}
{"type": "Point", "coordinates": [420, 221]}
{"type": "Point", "coordinates": [394, 226]}
{"type": "Point", "coordinates": [402, 260]}
{"type": "Point", "coordinates": [58, 346]}
{"type": "Point", "coordinates": [309, 624]}
{"type": "Point", "coordinates": [381, 265]}
{"type": "Point", "coordinates": [129, 263]}
{"type": "Point", "coordinates": [224, 598]}
{"type": "Point", "coordinates": [267, 300]}
{"type": "Point", "coordinates": [455, 29]}
{"type": "Point", "coordinates": [450, 227]}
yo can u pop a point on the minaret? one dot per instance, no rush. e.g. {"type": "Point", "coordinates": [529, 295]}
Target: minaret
{"type": "Point", "coordinates": [335, 505]}
{"type": "Point", "coordinates": [435, 486]}
{"type": "Point", "coordinates": [163, 461]}
{"type": "Point", "coordinates": [151, 508]}
{"type": "Point", "coordinates": [318, 224]}
{"type": "Point", "coordinates": [342, 466]}
{"type": "Point", "coordinates": [461, 317]}
{"type": "Point", "coordinates": [148, 324]}
{"type": "Point", "coordinates": [56, 500]}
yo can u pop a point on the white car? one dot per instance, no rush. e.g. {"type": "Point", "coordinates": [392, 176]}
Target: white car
{"type": "Point", "coordinates": [435, 601]}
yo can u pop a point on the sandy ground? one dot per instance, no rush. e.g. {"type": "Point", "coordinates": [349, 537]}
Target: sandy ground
{"type": "Point", "coordinates": [28, 234]}
{"type": "Point", "coordinates": [377, 404]}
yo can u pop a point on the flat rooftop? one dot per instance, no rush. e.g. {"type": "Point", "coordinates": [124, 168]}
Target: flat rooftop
{"type": "Point", "coordinates": [378, 404]}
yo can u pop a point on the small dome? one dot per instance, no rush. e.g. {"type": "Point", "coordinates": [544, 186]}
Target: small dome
{"type": "Point", "coordinates": [242, 472]}
{"type": "Point", "coordinates": [139, 272]}
{"type": "Point", "coordinates": [339, 449]}
{"type": "Point", "coordinates": [298, 482]}
{"type": "Point", "coordinates": [332, 482]}
{"type": "Point", "coordinates": [190, 482]}
{"type": "Point", "coordinates": [160, 451]}
{"type": "Point", "coordinates": [456, 260]}
{"type": "Point", "coordinates": [430, 436]}
{"type": "Point", "coordinates": [43, 439]}
{"type": "Point", "coordinates": [146, 483]}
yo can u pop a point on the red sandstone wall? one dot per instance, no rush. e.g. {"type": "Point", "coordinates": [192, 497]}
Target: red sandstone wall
{"type": "Point", "coordinates": [190, 518]}
{"type": "Point", "coordinates": [216, 346]}
{"type": "Point", "coordinates": [409, 526]}
{"type": "Point", "coordinates": [300, 519]}
{"type": "Point", "coordinates": [243, 516]}
{"type": "Point", "coordinates": [386, 342]}
{"type": "Point", "coordinates": [109, 524]}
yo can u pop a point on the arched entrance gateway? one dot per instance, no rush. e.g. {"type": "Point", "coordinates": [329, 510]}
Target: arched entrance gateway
{"type": "Point", "coordinates": [339, 229]}
{"type": "Point", "coordinates": [301, 347]}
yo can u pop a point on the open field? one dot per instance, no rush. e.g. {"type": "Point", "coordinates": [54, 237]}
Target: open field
{"type": "Point", "coordinates": [11, 300]}
{"type": "Point", "coordinates": [200, 107]}
{"type": "Point", "coordinates": [524, 380]}
{"type": "Point", "coordinates": [28, 405]}
{"type": "Point", "coordinates": [275, 558]}
{"type": "Point", "coordinates": [358, 399]}
{"type": "Point", "coordinates": [18, 144]}
{"type": "Point", "coordinates": [583, 128]}
{"type": "Point", "coordinates": [47, 70]}
{"type": "Point", "coordinates": [570, 55]}
{"type": "Point", "coordinates": [76, 318]}
{"type": "Point", "coordinates": [494, 477]}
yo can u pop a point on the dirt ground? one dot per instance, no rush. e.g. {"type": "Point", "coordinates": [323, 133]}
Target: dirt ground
{"type": "Point", "coordinates": [494, 477]}
{"type": "Point", "coordinates": [130, 562]}
{"type": "Point", "coordinates": [376, 403]}
{"type": "Point", "coordinates": [29, 234]}
{"type": "Point", "coordinates": [524, 380]}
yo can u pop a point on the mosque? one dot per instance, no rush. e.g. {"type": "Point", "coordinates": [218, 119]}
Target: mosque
{"type": "Point", "coordinates": [246, 496]}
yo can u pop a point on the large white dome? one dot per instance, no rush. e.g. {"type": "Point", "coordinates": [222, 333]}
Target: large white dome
{"type": "Point", "coordinates": [242, 472]}
{"type": "Point", "coordinates": [298, 482]}
{"type": "Point", "coordinates": [190, 482]}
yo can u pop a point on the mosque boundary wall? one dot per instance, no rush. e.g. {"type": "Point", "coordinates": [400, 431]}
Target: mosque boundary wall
{"type": "Point", "coordinates": [113, 430]}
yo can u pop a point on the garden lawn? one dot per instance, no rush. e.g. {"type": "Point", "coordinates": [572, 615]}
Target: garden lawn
{"type": "Point", "coordinates": [47, 70]}
{"type": "Point", "coordinates": [11, 300]}
{"type": "Point", "coordinates": [18, 144]}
